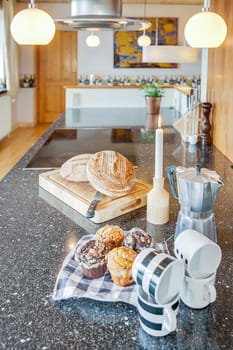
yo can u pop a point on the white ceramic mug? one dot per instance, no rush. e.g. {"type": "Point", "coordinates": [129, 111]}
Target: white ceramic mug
{"type": "Point", "coordinates": [198, 293]}
{"type": "Point", "coordinates": [160, 275]}
{"type": "Point", "coordinates": [201, 255]}
{"type": "Point", "coordinates": [193, 139]}
{"type": "Point", "coordinates": [156, 320]}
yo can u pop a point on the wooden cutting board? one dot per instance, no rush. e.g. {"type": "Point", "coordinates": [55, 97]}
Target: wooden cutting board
{"type": "Point", "coordinates": [79, 195]}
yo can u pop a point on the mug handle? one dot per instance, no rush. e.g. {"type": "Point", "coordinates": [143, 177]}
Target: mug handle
{"type": "Point", "coordinates": [170, 319]}
{"type": "Point", "coordinates": [211, 292]}
{"type": "Point", "coordinates": [170, 174]}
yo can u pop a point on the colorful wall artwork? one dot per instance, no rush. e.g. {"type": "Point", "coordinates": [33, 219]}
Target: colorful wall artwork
{"type": "Point", "coordinates": [127, 53]}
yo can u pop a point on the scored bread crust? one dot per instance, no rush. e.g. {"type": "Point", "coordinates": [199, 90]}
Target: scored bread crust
{"type": "Point", "coordinates": [75, 168]}
{"type": "Point", "coordinates": [111, 173]}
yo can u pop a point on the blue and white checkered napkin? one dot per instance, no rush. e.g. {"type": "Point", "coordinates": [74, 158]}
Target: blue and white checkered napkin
{"type": "Point", "coordinates": [71, 283]}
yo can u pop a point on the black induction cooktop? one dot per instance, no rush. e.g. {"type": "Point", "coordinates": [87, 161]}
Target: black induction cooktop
{"type": "Point", "coordinates": [89, 130]}
{"type": "Point", "coordinates": [66, 143]}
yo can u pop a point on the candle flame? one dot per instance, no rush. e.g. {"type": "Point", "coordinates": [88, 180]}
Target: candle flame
{"type": "Point", "coordinates": [159, 122]}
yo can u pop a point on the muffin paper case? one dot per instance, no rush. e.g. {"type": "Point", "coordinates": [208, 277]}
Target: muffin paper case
{"type": "Point", "coordinates": [71, 283]}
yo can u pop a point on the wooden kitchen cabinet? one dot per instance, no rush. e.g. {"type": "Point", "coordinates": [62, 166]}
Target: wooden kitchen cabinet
{"type": "Point", "coordinates": [56, 67]}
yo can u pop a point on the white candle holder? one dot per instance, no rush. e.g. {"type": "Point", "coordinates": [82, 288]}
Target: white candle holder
{"type": "Point", "coordinates": [158, 203]}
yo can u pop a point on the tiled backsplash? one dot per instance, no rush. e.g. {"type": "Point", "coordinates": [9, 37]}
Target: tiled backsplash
{"type": "Point", "coordinates": [92, 79]}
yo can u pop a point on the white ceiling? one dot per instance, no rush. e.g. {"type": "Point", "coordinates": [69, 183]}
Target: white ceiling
{"type": "Point", "coordinates": [162, 2]}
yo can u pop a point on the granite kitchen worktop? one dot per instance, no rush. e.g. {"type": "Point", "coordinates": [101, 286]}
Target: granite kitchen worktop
{"type": "Point", "coordinates": [37, 231]}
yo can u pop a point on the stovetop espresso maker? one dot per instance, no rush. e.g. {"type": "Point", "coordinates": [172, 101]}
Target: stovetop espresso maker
{"type": "Point", "coordinates": [196, 191]}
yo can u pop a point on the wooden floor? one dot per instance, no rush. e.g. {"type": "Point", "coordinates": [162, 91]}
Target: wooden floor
{"type": "Point", "coordinates": [12, 148]}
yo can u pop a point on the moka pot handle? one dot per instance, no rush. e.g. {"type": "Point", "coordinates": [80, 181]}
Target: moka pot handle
{"type": "Point", "coordinates": [171, 170]}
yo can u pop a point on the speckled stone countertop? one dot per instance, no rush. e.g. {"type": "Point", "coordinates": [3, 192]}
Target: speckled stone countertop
{"type": "Point", "coordinates": [36, 233]}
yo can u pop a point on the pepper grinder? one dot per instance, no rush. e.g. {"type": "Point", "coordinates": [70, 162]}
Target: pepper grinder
{"type": "Point", "coordinates": [205, 124]}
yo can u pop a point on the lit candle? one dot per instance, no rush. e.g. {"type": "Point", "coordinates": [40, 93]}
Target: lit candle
{"type": "Point", "coordinates": [159, 151]}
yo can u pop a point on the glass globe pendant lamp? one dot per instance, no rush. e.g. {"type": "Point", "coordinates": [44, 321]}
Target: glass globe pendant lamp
{"type": "Point", "coordinates": [205, 29]}
{"type": "Point", "coordinates": [92, 40]}
{"type": "Point", "coordinates": [32, 26]}
{"type": "Point", "coordinates": [144, 40]}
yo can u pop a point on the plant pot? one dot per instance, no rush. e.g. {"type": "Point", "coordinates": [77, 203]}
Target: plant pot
{"type": "Point", "coordinates": [151, 122]}
{"type": "Point", "coordinates": [153, 105]}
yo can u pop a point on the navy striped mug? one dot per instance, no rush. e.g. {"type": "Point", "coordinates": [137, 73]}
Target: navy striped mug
{"type": "Point", "coordinates": [155, 319]}
{"type": "Point", "coordinates": [160, 275]}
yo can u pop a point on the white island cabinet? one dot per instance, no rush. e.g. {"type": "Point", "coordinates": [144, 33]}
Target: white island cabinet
{"type": "Point", "coordinates": [121, 96]}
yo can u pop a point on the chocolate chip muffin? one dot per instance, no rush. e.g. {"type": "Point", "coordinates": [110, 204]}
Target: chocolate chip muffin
{"type": "Point", "coordinates": [91, 257]}
{"type": "Point", "coordinates": [137, 239]}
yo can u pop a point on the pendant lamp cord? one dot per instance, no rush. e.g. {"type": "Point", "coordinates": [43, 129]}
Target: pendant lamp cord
{"type": "Point", "coordinates": [206, 6]}
{"type": "Point", "coordinates": [32, 4]}
{"type": "Point", "coordinates": [156, 31]}
{"type": "Point", "coordinates": [144, 9]}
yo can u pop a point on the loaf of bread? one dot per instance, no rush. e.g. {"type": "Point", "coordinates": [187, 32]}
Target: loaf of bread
{"type": "Point", "coordinates": [111, 173]}
{"type": "Point", "coordinates": [75, 168]}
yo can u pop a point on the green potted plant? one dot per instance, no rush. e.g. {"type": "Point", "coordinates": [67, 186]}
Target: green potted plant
{"type": "Point", "coordinates": [153, 94]}
{"type": "Point", "coordinates": [153, 90]}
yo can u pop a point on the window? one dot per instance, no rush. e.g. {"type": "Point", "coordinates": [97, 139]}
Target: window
{"type": "Point", "coordinates": [2, 54]}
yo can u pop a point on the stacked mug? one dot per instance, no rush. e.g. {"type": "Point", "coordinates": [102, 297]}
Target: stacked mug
{"type": "Point", "coordinates": [201, 257]}
{"type": "Point", "coordinates": [159, 278]}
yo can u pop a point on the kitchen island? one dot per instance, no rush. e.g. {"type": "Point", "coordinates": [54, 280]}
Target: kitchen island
{"type": "Point", "coordinates": [38, 231]}
{"type": "Point", "coordinates": [179, 97]}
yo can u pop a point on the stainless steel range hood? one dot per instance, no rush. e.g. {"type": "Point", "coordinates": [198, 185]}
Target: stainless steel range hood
{"type": "Point", "coordinates": [101, 15]}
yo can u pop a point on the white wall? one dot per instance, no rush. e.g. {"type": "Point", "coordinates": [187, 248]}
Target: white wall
{"type": "Point", "coordinates": [27, 59]}
{"type": "Point", "coordinates": [100, 60]}
{"type": "Point", "coordinates": [5, 115]}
